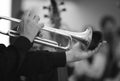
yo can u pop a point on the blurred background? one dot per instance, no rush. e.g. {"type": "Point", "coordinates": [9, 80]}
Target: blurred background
{"type": "Point", "coordinates": [75, 15]}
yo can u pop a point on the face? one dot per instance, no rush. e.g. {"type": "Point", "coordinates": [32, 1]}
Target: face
{"type": "Point", "coordinates": [109, 27]}
{"type": "Point", "coordinates": [109, 30]}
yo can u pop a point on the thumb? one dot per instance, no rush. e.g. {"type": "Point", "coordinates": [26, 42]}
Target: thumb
{"type": "Point", "coordinates": [100, 46]}
{"type": "Point", "coordinates": [41, 25]}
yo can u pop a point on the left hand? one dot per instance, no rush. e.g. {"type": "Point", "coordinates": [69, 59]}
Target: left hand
{"type": "Point", "coordinates": [29, 27]}
{"type": "Point", "coordinates": [76, 54]}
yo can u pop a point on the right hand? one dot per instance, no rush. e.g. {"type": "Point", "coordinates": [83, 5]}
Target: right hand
{"type": "Point", "coordinates": [29, 27]}
{"type": "Point", "coordinates": [76, 54]}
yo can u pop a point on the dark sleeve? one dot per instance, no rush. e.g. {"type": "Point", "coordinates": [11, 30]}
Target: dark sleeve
{"type": "Point", "coordinates": [10, 56]}
{"type": "Point", "coordinates": [43, 61]}
{"type": "Point", "coordinates": [22, 44]}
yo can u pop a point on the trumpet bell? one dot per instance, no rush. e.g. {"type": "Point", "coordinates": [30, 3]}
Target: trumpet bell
{"type": "Point", "coordinates": [84, 37]}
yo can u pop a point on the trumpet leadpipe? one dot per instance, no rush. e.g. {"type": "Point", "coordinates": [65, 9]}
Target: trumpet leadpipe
{"type": "Point", "coordinates": [10, 19]}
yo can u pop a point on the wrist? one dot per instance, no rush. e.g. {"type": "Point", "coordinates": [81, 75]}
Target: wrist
{"type": "Point", "coordinates": [29, 37]}
{"type": "Point", "coordinates": [69, 57]}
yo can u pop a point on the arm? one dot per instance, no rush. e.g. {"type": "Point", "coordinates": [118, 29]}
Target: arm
{"type": "Point", "coordinates": [44, 61]}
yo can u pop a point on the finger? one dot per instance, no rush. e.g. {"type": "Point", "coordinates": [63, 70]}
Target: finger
{"type": "Point", "coordinates": [41, 25]}
{"type": "Point", "coordinates": [104, 42]}
{"type": "Point", "coordinates": [92, 52]}
{"type": "Point", "coordinates": [26, 14]}
{"type": "Point", "coordinates": [36, 18]}
{"type": "Point", "coordinates": [33, 13]}
{"type": "Point", "coordinates": [99, 46]}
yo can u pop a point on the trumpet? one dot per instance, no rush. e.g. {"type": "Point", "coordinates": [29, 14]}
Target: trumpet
{"type": "Point", "coordinates": [84, 37]}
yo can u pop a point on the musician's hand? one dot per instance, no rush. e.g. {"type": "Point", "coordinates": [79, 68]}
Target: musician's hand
{"type": "Point", "coordinates": [76, 54]}
{"type": "Point", "coordinates": [29, 27]}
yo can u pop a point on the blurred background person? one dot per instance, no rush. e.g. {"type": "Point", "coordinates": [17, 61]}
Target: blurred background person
{"type": "Point", "coordinates": [109, 27]}
{"type": "Point", "coordinates": [90, 69]}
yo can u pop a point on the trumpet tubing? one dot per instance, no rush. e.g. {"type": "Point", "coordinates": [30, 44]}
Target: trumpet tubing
{"type": "Point", "coordinates": [84, 37]}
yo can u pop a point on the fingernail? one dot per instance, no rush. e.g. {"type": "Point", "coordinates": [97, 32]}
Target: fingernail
{"type": "Point", "coordinates": [42, 25]}
{"type": "Point", "coordinates": [104, 41]}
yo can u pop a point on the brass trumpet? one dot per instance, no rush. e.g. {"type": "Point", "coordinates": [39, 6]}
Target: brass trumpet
{"type": "Point", "coordinates": [84, 37]}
